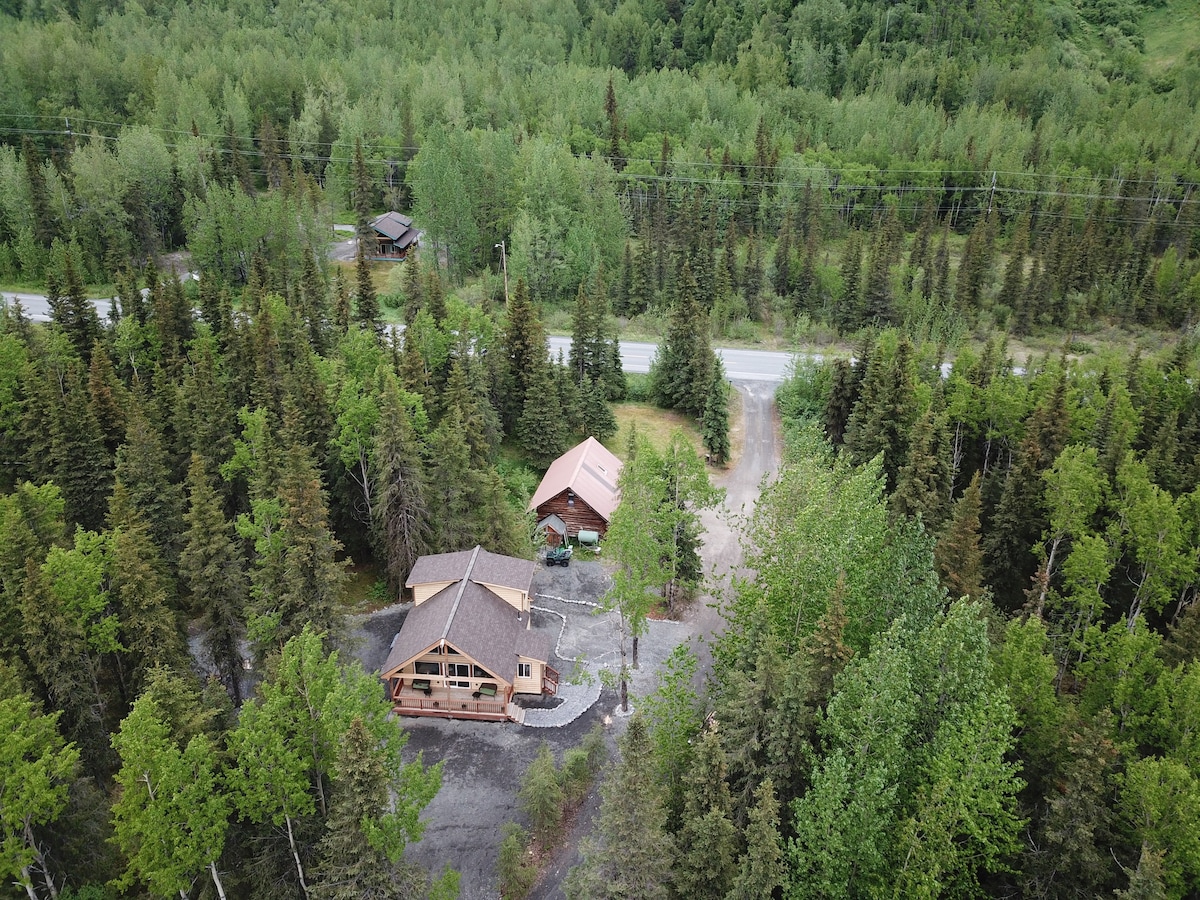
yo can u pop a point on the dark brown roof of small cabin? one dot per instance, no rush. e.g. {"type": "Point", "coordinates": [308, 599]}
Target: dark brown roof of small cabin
{"type": "Point", "coordinates": [392, 225]}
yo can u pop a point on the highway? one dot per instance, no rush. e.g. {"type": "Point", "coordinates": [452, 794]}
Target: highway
{"type": "Point", "coordinates": [636, 356]}
{"type": "Point", "coordinates": [740, 365]}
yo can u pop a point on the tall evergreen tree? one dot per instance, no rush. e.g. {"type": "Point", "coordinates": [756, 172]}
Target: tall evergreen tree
{"type": "Point", "coordinates": [402, 523]}
{"type": "Point", "coordinates": [761, 870]}
{"type": "Point", "coordinates": [366, 300]}
{"type": "Point", "coordinates": [885, 412]}
{"type": "Point", "coordinates": [363, 200]}
{"type": "Point", "coordinates": [142, 468]}
{"type": "Point", "coordinates": [714, 423]}
{"type": "Point", "coordinates": [849, 315]}
{"type": "Point", "coordinates": [681, 373]}
{"type": "Point", "coordinates": [352, 864]}
{"type": "Point", "coordinates": [630, 853]}
{"type": "Point", "coordinates": [524, 351]}
{"type": "Point", "coordinates": [957, 553]}
{"type": "Point", "coordinates": [212, 568]}
{"type": "Point", "coordinates": [706, 841]}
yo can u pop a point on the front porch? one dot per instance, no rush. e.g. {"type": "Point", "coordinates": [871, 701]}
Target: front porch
{"type": "Point", "coordinates": [450, 702]}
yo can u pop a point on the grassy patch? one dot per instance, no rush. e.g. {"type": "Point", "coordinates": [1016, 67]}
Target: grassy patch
{"type": "Point", "coordinates": [364, 591]}
{"type": "Point", "coordinates": [1171, 31]}
{"type": "Point", "coordinates": [654, 424]}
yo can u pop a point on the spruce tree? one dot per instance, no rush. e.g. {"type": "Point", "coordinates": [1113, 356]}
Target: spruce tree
{"type": "Point", "coordinates": [707, 840]}
{"type": "Point", "coordinates": [352, 865]}
{"type": "Point", "coordinates": [77, 457]}
{"type": "Point", "coordinates": [341, 302]}
{"type": "Point", "coordinates": [762, 869]}
{"type": "Point", "coordinates": [213, 570]}
{"type": "Point", "coordinates": [714, 423]}
{"type": "Point", "coordinates": [45, 227]}
{"type": "Point", "coordinates": [524, 351]}
{"type": "Point", "coordinates": [885, 411]}
{"type": "Point", "coordinates": [630, 851]}
{"type": "Point", "coordinates": [144, 600]}
{"type": "Point", "coordinates": [542, 429]}
{"type": "Point", "coordinates": [923, 483]}
{"type": "Point", "coordinates": [957, 553]}
{"type": "Point", "coordinates": [109, 398]}
{"type": "Point", "coordinates": [849, 315]}
{"type": "Point", "coordinates": [142, 468]}
{"type": "Point", "coordinates": [74, 312]}
{"type": "Point", "coordinates": [401, 526]}
{"type": "Point", "coordinates": [363, 200]}
{"type": "Point", "coordinates": [366, 301]}
{"type": "Point", "coordinates": [681, 373]}
{"type": "Point", "coordinates": [453, 484]}
{"type": "Point", "coordinates": [309, 590]}
{"type": "Point", "coordinates": [782, 280]}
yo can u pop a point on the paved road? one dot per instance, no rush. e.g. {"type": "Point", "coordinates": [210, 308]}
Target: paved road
{"type": "Point", "coordinates": [740, 365]}
{"type": "Point", "coordinates": [636, 356]}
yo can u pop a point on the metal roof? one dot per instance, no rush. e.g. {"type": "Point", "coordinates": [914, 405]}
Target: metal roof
{"type": "Point", "coordinates": [589, 469]}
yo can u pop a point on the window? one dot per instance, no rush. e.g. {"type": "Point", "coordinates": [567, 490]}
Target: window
{"type": "Point", "coordinates": [458, 670]}
{"type": "Point", "coordinates": [524, 670]}
{"type": "Point", "coordinates": [477, 672]}
{"type": "Point", "coordinates": [429, 668]}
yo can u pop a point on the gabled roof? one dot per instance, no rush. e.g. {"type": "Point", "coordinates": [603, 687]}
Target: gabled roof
{"type": "Point", "coordinates": [481, 566]}
{"type": "Point", "coordinates": [554, 523]}
{"type": "Point", "coordinates": [590, 470]}
{"type": "Point", "coordinates": [392, 225]}
{"type": "Point", "coordinates": [475, 622]}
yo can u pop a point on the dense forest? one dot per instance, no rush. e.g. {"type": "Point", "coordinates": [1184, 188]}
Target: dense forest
{"type": "Point", "coordinates": [965, 662]}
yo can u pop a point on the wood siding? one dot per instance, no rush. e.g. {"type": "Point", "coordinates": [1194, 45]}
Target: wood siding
{"type": "Point", "coordinates": [518, 600]}
{"type": "Point", "coordinates": [422, 592]}
{"type": "Point", "coordinates": [579, 517]}
{"type": "Point", "coordinates": [532, 684]}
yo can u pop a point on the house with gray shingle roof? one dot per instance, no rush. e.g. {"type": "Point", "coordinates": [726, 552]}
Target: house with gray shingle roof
{"type": "Point", "coordinates": [466, 647]}
{"type": "Point", "coordinates": [394, 235]}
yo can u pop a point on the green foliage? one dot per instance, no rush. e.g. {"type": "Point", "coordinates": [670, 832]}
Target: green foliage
{"type": "Point", "coordinates": [541, 795]}
{"type": "Point", "coordinates": [38, 766]}
{"type": "Point", "coordinates": [515, 873]}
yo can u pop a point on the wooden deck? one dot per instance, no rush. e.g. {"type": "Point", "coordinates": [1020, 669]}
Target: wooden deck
{"type": "Point", "coordinates": [449, 703]}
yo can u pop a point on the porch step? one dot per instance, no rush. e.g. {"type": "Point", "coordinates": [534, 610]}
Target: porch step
{"type": "Point", "coordinates": [516, 713]}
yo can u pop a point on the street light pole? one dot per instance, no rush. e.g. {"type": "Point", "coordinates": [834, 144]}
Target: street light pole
{"type": "Point", "coordinates": [504, 266]}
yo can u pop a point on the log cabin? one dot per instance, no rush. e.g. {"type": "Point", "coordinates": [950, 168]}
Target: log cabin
{"type": "Point", "coordinates": [580, 489]}
{"type": "Point", "coordinates": [466, 648]}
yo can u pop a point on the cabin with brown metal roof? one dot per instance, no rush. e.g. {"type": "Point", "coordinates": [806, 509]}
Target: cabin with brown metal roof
{"type": "Point", "coordinates": [394, 236]}
{"type": "Point", "coordinates": [466, 648]}
{"type": "Point", "coordinates": [580, 489]}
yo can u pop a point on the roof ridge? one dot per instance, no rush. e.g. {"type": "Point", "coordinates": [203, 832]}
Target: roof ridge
{"type": "Point", "coordinates": [462, 586]}
{"type": "Point", "coordinates": [583, 448]}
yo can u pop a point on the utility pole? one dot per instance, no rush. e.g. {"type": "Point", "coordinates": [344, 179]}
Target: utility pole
{"type": "Point", "coordinates": [504, 266]}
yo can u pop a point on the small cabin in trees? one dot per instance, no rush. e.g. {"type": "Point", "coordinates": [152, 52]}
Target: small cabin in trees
{"type": "Point", "coordinates": [579, 491]}
{"type": "Point", "coordinates": [466, 648]}
{"type": "Point", "coordinates": [394, 236]}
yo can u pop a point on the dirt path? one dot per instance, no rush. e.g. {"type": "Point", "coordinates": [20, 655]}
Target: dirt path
{"type": "Point", "coordinates": [722, 550]}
